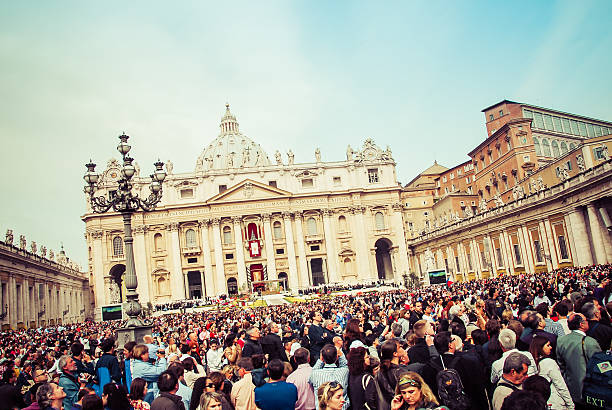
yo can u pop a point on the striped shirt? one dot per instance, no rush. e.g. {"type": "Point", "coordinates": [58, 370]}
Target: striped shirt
{"type": "Point", "coordinates": [322, 372]}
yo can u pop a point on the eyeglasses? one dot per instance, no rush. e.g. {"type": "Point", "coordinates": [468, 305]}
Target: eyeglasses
{"type": "Point", "coordinates": [331, 386]}
{"type": "Point", "coordinates": [407, 380]}
{"type": "Point", "coordinates": [210, 385]}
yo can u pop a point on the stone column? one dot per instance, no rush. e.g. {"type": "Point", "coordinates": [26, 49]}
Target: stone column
{"type": "Point", "coordinates": [292, 278]}
{"type": "Point", "coordinates": [332, 257]}
{"type": "Point", "coordinates": [607, 240]}
{"type": "Point", "coordinates": [528, 248]}
{"type": "Point", "coordinates": [583, 255]}
{"type": "Point", "coordinates": [596, 235]}
{"type": "Point", "coordinates": [361, 240]}
{"type": "Point", "coordinates": [98, 273]}
{"type": "Point", "coordinates": [12, 298]}
{"type": "Point", "coordinates": [269, 245]}
{"type": "Point", "coordinates": [547, 249]}
{"type": "Point", "coordinates": [140, 262]}
{"type": "Point", "coordinates": [220, 282]}
{"type": "Point", "coordinates": [240, 264]}
{"type": "Point", "coordinates": [523, 247]}
{"type": "Point", "coordinates": [569, 240]}
{"type": "Point", "coordinates": [508, 251]}
{"type": "Point", "coordinates": [207, 275]}
{"type": "Point", "coordinates": [398, 226]}
{"type": "Point", "coordinates": [301, 251]}
{"type": "Point", "coordinates": [177, 280]}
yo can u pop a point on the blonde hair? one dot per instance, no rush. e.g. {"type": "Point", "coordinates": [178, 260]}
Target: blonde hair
{"type": "Point", "coordinates": [139, 350]}
{"type": "Point", "coordinates": [208, 397]}
{"type": "Point", "coordinates": [325, 393]}
{"type": "Point", "coordinates": [427, 396]}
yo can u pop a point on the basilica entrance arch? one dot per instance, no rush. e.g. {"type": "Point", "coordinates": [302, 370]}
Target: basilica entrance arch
{"type": "Point", "coordinates": [232, 287]}
{"type": "Point", "coordinates": [117, 291]}
{"type": "Point", "coordinates": [283, 276]}
{"type": "Point", "coordinates": [383, 259]}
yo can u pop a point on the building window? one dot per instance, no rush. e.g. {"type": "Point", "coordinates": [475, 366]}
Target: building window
{"type": "Point", "coordinates": [599, 153]}
{"type": "Point", "coordinates": [380, 220]}
{"type": "Point", "coordinates": [190, 238]}
{"type": "Point", "coordinates": [311, 226]}
{"type": "Point", "coordinates": [278, 231]}
{"type": "Point", "coordinates": [272, 183]}
{"type": "Point", "coordinates": [444, 178]}
{"type": "Point", "coordinates": [186, 193]}
{"type": "Point", "coordinates": [117, 246]}
{"type": "Point", "coordinates": [563, 248]}
{"type": "Point", "coordinates": [307, 183]}
{"type": "Point", "coordinates": [491, 118]}
{"type": "Point", "coordinates": [280, 251]}
{"type": "Point", "coordinates": [555, 149]}
{"type": "Point", "coordinates": [517, 254]}
{"type": "Point", "coordinates": [192, 260]}
{"type": "Point", "coordinates": [158, 242]}
{"type": "Point", "coordinates": [342, 223]}
{"type": "Point", "coordinates": [536, 145]}
{"type": "Point", "coordinates": [538, 251]}
{"type": "Point", "coordinates": [229, 256]}
{"type": "Point", "coordinates": [546, 147]}
{"type": "Point", "coordinates": [227, 235]}
{"type": "Point", "coordinates": [373, 175]}
{"type": "Point", "coordinates": [457, 266]}
{"type": "Point", "coordinates": [337, 181]}
{"type": "Point", "coordinates": [222, 188]}
{"type": "Point", "coordinates": [568, 164]}
{"type": "Point", "coordinates": [500, 261]}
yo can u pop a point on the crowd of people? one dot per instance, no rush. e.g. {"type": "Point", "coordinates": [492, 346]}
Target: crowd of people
{"type": "Point", "coordinates": [537, 341]}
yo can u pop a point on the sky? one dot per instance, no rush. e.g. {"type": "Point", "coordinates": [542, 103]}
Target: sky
{"type": "Point", "coordinates": [298, 75]}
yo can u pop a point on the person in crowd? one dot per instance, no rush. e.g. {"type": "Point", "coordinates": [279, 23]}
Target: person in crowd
{"type": "Point", "coordinates": [109, 360]}
{"type": "Point", "coordinates": [68, 380]}
{"type": "Point", "coordinates": [272, 345]}
{"type": "Point", "coordinates": [306, 397]}
{"type": "Point", "coordinates": [49, 396]}
{"type": "Point", "coordinates": [507, 341]}
{"type": "Point", "coordinates": [217, 379]}
{"type": "Point", "coordinates": [540, 386]}
{"type": "Point", "coordinates": [514, 373]}
{"type": "Point", "coordinates": [252, 345]}
{"type": "Point", "coordinates": [82, 359]}
{"type": "Point", "coordinates": [210, 401]}
{"type": "Point", "coordinates": [242, 395]}
{"type": "Point", "coordinates": [183, 391]}
{"type": "Point", "coordinates": [597, 330]}
{"type": "Point", "coordinates": [93, 402]}
{"type": "Point", "coordinates": [115, 397]}
{"type": "Point", "coordinates": [390, 369]}
{"type": "Point", "coordinates": [330, 396]}
{"type": "Point", "coordinates": [413, 393]}
{"type": "Point", "coordinates": [153, 347]}
{"type": "Point", "coordinates": [362, 386]}
{"type": "Point", "coordinates": [419, 353]}
{"type": "Point", "coordinates": [315, 335]}
{"type": "Point", "coordinates": [332, 365]}
{"type": "Point", "coordinates": [276, 394]}
{"type": "Point", "coordinates": [128, 361]}
{"type": "Point", "coordinates": [562, 310]}
{"type": "Point", "coordinates": [167, 399]}
{"type": "Point", "coordinates": [214, 356]}
{"type": "Point", "coordinates": [573, 354]}
{"type": "Point", "coordinates": [138, 391]}
{"type": "Point", "coordinates": [353, 336]}
{"type": "Point", "coordinates": [559, 397]}
{"type": "Point", "coordinates": [551, 326]}
{"type": "Point", "coordinates": [521, 399]}
{"type": "Point", "coordinates": [193, 371]}
{"type": "Point", "coordinates": [232, 352]}
{"type": "Point", "coordinates": [148, 371]}
{"type": "Point", "coordinates": [85, 391]}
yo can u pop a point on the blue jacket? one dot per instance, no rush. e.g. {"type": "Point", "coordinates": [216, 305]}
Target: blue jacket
{"type": "Point", "coordinates": [149, 372]}
{"type": "Point", "coordinates": [112, 364]}
{"type": "Point", "coordinates": [71, 387]}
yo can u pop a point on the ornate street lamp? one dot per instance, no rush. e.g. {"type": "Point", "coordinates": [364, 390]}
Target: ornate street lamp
{"type": "Point", "coordinates": [127, 202]}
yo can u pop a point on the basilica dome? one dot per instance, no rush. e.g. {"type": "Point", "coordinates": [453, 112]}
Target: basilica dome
{"type": "Point", "coordinates": [231, 149]}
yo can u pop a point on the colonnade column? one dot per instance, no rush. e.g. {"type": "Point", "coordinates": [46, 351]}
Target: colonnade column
{"type": "Point", "coordinates": [301, 251]}
{"type": "Point", "coordinates": [269, 245]}
{"type": "Point", "coordinates": [177, 280]}
{"type": "Point", "coordinates": [208, 272]}
{"type": "Point", "coordinates": [546, 248]}
{"type": "Point", "coordinates": [332, 258]}
{"type": "Point", "coordinates": [220, 282]}
{"type": "Point", "coordinates": [140, 262]}
{"type": "Point", "coordinates": [292, 278]}
{"type": "Point", "coordinates": [583, 254]}
{"type": "Point", "coordinates": [240, 264]}
{"type": "Point", "coordinates": [12, 296]}
{"type": "Point", "coordinates": [598, 239]}
{"type": "Point", "coordinates": [607, 223]}
{"type": "Point", "coordinates": [98, 267]}
{"type": "Point", "coordinates": [528, 254]}
{"type": "Point", "coordinates": [507, 246]}
{"type": "Point", "coordinates": [569, 239]}
{"type": "Point", "coordinates": [361, 239]}
{"type": "Point", "coordinates": [398, 226]}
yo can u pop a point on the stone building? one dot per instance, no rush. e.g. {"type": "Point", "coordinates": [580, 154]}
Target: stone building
{"type": "Point", "coordinates": [240, 219]}
{"type": "Point", "coordinates": [534, 196]}
{"type": "Point", "coordinates": [39, 288]}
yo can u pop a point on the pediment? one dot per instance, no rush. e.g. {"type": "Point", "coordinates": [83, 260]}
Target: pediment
{"type": "Point", "coordinates": [249, 190]}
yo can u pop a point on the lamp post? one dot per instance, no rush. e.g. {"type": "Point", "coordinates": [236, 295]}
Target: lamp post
{"type": "Point", "coordinates": [127, 202]}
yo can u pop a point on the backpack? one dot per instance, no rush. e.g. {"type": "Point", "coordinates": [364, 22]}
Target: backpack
{"type": "Point", "coordinates": [597, 387]}
{"type": "Point", "coordinates": [450, 389]}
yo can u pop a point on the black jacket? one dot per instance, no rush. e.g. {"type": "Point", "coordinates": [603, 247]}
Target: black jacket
{"type": "Point", "coordinates": [600, 332]}
{"type": "Point", "coordinates": [167, 401]}
{"type": "Point", "coordinates": [419, 353]}
{"type": "Point", "coordinates": [359, 396]}
{"type": "Point", "coordinates": [251, 347]}
{"type": "Point", "coordinates": [272, 345]}
{"type": "Point", "coordinates": [387, 380]}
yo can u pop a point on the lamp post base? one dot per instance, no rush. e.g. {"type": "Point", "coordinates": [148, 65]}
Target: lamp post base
{"type": "Point", "coordinates": [133, 333]}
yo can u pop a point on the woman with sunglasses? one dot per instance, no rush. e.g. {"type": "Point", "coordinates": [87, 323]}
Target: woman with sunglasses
{"type": "Point", "coordinates": [412, 393]}
{"type": "Point", "coordinates": [331, 396]}
{"type": "Point", "coordinates": [560, 398]}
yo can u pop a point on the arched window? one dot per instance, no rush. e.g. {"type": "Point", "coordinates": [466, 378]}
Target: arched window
{"type": "Point", "coordinates": [190, 238]}
{"type": "Point", "coordinates": [311, 226]}
{"type": "Point", "coordinates": [342, 224]}
{"type": "Point", "coordinates": [572, 146]}
{"type": "Point", "coordinates": [158, 242]}
{"type": "Point", "coordinates": [348, 268]}
{"type": "Point", "coordinates": [227, 235]}
{"type": "Point", "coordinates": [117, 246]}
{"type": "Point", "coordinates": [555, 149]}
{"type": "Point", "coordinates": [163, 287]}
{"type": "Point", "coordinates": [563, 147]}
{"type": "Point", "coordinates": [379, 218]}
{"type": "Point", "coordinates": [546, 148]}
{"type": "Point", "coordinates": [278, 230]}
{"type": "Point", "coordinates": [536, 144]}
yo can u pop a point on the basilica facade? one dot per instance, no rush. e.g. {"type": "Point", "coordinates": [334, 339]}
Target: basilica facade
{"type": "Point", "coordinates": [241, 221]}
